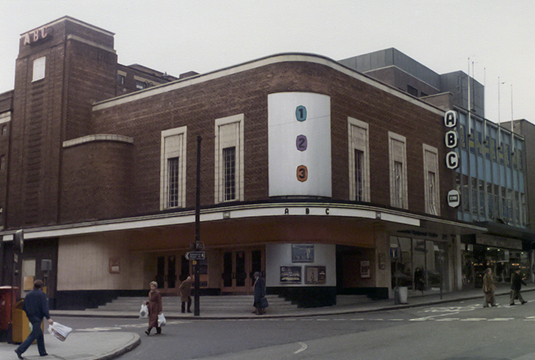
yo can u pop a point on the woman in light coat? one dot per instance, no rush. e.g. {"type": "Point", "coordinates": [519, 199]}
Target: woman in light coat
{"type": "Point", "coordinates": [488, 288]}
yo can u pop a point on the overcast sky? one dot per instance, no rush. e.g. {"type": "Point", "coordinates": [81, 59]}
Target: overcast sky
{"type": "Point", "coordinates": [176, 36]}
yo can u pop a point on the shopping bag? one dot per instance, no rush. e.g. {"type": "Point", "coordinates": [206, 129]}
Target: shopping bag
{"type": "Point", "coordinates": [144, 311]}
{"type": "Point", "coordinates": [161, 320]}
{"type": "Point", "coordinates": [59, 331]}
{"type": "Point", "coordinates": [264, 303]}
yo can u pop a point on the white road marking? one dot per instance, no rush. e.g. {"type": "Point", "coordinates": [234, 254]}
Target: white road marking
{"type": "Point", "coordinates": [303, 348]}
{"type": "Point", "coordinates": [501, 319]}
{"type": "Point", "coordinates": [474, 319]}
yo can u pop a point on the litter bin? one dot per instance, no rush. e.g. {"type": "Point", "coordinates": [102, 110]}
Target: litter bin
{"type": "Point", "coordinates": [21, 324]}
{"type": "Point", "coordinates": [401, 294]}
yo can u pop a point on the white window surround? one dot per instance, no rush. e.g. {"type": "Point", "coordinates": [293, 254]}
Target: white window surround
{"type": "Point", "coordinates": [39, 66]}
{"type": "Point", "coordinates": [173, 144]}
{"type": "Point", "coordinates": [358, 134]}
{"type": "Point", "coordinates": [398, 153]}
{"type": "Point", "coordinates": [227, 135]}
{"type": "Point", "coordinates": [432, 196]}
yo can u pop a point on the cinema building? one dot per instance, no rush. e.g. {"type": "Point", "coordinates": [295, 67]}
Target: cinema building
{"type": "Point", "coordinates": [308, 171]}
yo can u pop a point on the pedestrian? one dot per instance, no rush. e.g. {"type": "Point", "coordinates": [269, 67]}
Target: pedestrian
{"type": "Point", "coordinates": [185, 294]}
{"type": "Point", "coordinates": [516, 285]}
{"type": "Point", "coordinates": [155, 308]}
{"type": "Point", "coordinates": [419, 280]}
{"type": "Point", "coordinates": [259, 294]}
{"type": "Point", "coordinates": [36, 308]}
{"type": "Point", "coordinates": [489, 288]}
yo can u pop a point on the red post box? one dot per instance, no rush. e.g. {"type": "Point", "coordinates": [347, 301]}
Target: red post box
{"type": "Point", "coordinates": [8, 296]}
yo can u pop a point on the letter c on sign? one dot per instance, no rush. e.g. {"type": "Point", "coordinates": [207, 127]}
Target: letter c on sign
{"type": "Point", "coordinates": [452, 160]}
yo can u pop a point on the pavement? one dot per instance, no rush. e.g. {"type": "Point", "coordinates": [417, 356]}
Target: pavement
{"type": "Point", "coordinates": [83, 345]}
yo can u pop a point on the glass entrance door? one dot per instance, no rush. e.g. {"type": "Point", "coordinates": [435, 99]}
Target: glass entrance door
{"type": "Point", "coordinates": [239, 267]}
{"type": "Point", "coordinates": [166, 275]}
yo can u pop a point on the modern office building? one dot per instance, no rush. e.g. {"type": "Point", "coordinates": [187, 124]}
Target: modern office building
{"type": "Point", "coordinates": [491, 178]}
{"type": "Point", "coordinates": [311, 172]}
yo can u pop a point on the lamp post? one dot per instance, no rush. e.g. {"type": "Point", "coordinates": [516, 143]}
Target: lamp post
{"type": "Point", "coordinates": [196, 306]}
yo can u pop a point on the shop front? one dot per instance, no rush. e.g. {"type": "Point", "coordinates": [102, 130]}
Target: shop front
{"type": "Point", "coordinates": [420, 264]}
{"type": "Point", "coordinates": [501, 254]}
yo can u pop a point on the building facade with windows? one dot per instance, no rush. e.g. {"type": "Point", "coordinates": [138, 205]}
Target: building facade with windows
{"type": "Point", "coordinates": [311, 172]}
{"type": "Point", "coordinates": [493, 166]}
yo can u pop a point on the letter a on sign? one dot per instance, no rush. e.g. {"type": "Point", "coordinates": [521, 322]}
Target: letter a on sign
{"type": "Point", "coordinates": [450, 118]}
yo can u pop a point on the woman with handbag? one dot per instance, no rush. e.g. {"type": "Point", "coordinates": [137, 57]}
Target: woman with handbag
{"type": "Point", "coordinates": [155, 308]}
{"type": "Point", "coordinates": [260, 302]}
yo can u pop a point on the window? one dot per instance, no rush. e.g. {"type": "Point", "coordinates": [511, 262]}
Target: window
{"type": "Point", "coordinates": [39, 68]}
{"type": "Point", "coordinates": [398, 171]}
{"type": "Point", "coordinates": [2, 162]}
{"type": "Point", "coordinates": [359, 170]}
{"type": "Point", "coordinates": [229, 159]}
{"type": "Point", "coordinates": [412, 90]}
{"type": "Point", "coordinates": [4, 130]}
{"type": "Point", "coordinates": [121, 79]}
{"type": "Point", "coordinates": [432, 188]}
{"type": "Point", "coordinates": [359, 175]}
{"type": "Point", "coordinates": [140, 85]}
{"type": "Point", "coordinates": [172, 182]}
{"type": "Point", "coordinates": [229, 171]}
{"type": "Point", "coordinates": [173, 168]}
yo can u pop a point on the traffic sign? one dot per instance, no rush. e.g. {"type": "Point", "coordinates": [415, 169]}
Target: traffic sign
{"type": "Point", "coordinates": [196, 255]}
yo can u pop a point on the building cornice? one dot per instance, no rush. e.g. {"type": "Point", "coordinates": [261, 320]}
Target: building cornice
{"type": "Point", "coordinates": [249, 211]}
{"type": "Point", "coordinates": [269, 60]}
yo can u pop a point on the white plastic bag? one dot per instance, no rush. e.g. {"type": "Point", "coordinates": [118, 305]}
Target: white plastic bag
{"type": "Point", "coordinates": [144, 311]}
{"type": "Point", "coordinates": [59, 331]}
{"type": "Point", "coordinates": [161, 320]}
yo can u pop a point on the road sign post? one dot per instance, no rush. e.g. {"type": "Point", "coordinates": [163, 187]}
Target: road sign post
{"type": "Point", "coordinates": [196, 255]}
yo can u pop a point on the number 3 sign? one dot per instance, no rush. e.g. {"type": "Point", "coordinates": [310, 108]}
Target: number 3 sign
{"type": "Point", "coordinates": [301, 143]}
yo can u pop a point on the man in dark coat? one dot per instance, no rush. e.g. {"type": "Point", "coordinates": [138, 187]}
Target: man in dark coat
{"type": "Point", "coordinates": [259, 293]}
{"type": "Point", "coordinates": [516, 285]}
{"type": "Point", "coordinates": [185, 293]}
{"type": "Point", "coordinates": [36, 308]}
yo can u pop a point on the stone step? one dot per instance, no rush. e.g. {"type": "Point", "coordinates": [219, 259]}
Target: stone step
{"type": "Point", "coordinates": [222, 303]}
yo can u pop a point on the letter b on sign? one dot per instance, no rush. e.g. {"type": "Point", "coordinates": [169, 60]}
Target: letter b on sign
{"type": "Point", "coordinates": [451, 139]}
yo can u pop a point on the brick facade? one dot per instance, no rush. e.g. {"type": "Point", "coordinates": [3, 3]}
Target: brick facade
{"type": "Point", "coordinates": [79, 155]}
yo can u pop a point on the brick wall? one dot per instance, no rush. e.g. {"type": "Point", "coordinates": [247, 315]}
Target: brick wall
{"type": "Point", "coordinates": [198, 105]}
{"type": "Point", "coordinates": [96, 181]}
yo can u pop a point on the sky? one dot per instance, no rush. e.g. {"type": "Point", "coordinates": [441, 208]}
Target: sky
{"type": "Point", "coordinates": [492, 37]}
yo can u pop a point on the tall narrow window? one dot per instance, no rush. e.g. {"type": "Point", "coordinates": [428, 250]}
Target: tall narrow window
{"type": "Point", "coordinates": [173, 169]}
{"type": "Point", "coordinates": [359, 175]}
{"type": "Point", "coordinates": [172, 182]}
{"type": "Point", "coordinates": [229, 158]}
{"type": "Point", "coordinates": [229, 170]}
{"type": "Point", "coordinates": [398, 171]}
{"type": "Point", "coordinates": [398, 184]}
{"type": "Point", "coordinates": [431, 180]}
{"type": "Point", "coordinates": [431, 185]}
{"type": "Point", "coordinates": [359, 169]}
{"type": "Point", "coordinates": [39, 66]}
